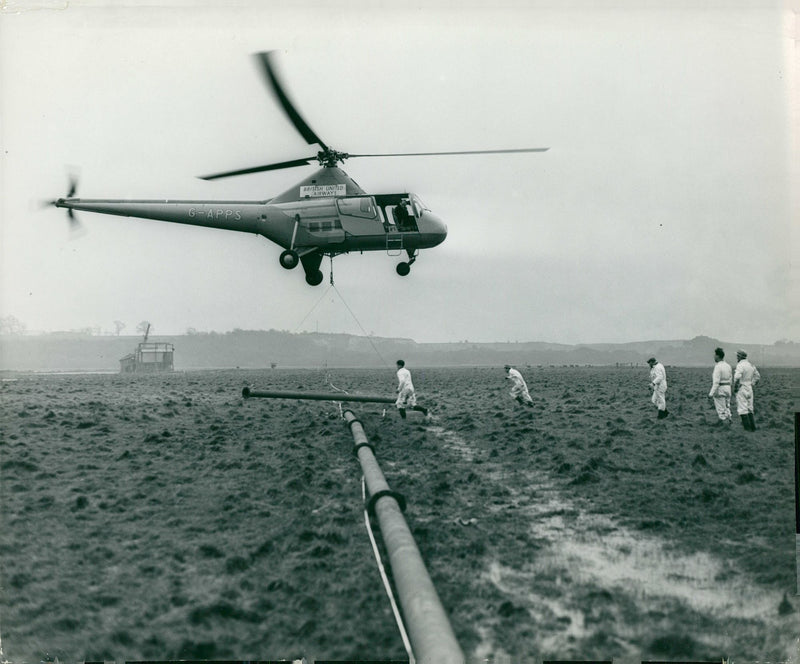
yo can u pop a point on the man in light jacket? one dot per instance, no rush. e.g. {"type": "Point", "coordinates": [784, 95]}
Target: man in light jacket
{"type": "Point", "coordinates": [519, 389]}
{"type": "Point", "coordinates": [744, 378]}
{"type": "Point", "coordinates": [658, 383]}
{"type": "Point", "coordinates": [721, 379]}
{"type": "Point", "coordinates": [406, 396]}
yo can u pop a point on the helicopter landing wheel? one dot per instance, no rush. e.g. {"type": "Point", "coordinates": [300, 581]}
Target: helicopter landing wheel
{"type": "Point", "coordinates": [314, 278]}
{"type": "Point", "coordinates": [403, 269]}
{"type": "Point", "coordinates": [289, 259]}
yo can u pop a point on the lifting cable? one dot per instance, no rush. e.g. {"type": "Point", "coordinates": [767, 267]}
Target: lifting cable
{"type": "Point", "coordinates": [378, 353]}
{"type": "Point", "coordinates": [350, 311]}
{"type": "Point", "coordinates": [398, 618]}
{"type": "Point", "coordinates": [360, 326]}
{"type": "Point", "coordinates": [312, 308]}
{"type": "Point", "coordinates": [337, 389]}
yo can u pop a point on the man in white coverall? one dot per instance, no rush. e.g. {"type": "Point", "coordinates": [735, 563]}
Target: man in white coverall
{"type": "Point", "coordinates": [406, 396]}
{"type": "Point", "coordinates": [744, 377]}
{"type": "Point", "coordinates": [721, 380]}
{"type": "Point", "coordinates": [519, 390]}
{"type": "Point", "coordinates": [658, 383]}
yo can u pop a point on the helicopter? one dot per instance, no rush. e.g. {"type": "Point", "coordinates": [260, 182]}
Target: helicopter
{"type": "Point", "coordinates": [325, 214]}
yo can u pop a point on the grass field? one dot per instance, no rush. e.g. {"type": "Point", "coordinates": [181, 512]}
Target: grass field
{"type": "Point", "coordinates": [165, 517]}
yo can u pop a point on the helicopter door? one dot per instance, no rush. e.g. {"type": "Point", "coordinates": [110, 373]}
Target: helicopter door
{"type": "Point", "coordinates": [404, 218]}
{"type": "Point", "coordinates": [359, 216]}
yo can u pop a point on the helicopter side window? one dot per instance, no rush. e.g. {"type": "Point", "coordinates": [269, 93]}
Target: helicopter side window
{"type": "Point", "coordinates": [316, 226]}
{"type": "Point", "coordinates": [357, 207]}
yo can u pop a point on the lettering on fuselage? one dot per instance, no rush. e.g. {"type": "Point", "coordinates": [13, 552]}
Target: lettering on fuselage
{"type": "Point", "coordinates": [323, 190]}
{"type": "Point", "coordinates": [216, 213]}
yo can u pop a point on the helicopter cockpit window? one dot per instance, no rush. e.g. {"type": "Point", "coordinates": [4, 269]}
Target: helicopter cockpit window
{"type": "Point", "coordinates": [357, 207]}
{"type": "Point", "coordinates": [418, 205]}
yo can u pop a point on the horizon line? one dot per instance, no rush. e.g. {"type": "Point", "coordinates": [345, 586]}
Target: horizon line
{"type": "Point", "coordinates": [106, 334]}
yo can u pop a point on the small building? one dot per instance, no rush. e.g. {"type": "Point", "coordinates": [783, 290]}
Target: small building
{"type": "Point", "coordinates": [149, 357]}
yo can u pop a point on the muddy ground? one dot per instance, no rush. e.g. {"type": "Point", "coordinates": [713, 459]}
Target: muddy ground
{"type": "Point", "coordinates": [168, 518]}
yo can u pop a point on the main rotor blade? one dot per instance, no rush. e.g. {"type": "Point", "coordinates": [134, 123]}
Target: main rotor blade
{"type": "Point", "coordinates": [260, 169]}
{"type": "Point", "coordinates": [297, 120]}
{"type": "Point", "coordinates": [430, 154]}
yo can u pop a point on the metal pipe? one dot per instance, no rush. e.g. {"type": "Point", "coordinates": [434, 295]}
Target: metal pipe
{"type": "Point", "coordinates": [430, 632]}
{"type": "Point", "coordinates": [315, 396]}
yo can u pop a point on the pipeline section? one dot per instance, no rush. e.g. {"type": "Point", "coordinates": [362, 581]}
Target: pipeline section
{"type": "Point", "coordinates": [247, 393]}
{"type": "Point", "coordinates": [429, 630]}
{"type": "Point", "coordinates": [431, 635]}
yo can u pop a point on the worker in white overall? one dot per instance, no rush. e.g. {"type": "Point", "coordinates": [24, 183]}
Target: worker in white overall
{"type": "Point", "coordinates": [519, 389]}
{"type": "Point", "coordinates": [744, 378]}
{"type": "Point", "coordinates": [721, 380]}
{"type": "Point", "coordinates": [658, 383]}
{"type": "Point", "coordinates": [406, 396]}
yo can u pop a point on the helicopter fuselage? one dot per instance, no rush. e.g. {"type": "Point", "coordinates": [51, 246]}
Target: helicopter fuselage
{"type": "Point", "coordinates": [333, 225]}
{"type": "Point", "coordinates": [326, 214]}
{"type": "Point", "coordinates": [307, 229]}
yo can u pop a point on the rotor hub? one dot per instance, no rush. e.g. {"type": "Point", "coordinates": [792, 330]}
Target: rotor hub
{"type": "Point", "coordinates": [331, 158]}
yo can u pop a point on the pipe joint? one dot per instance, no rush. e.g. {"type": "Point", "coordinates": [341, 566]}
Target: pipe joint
{"type": "Point", "coordinates": [386, 493]}
{"type": "Point", "coordinates": [358, 446]}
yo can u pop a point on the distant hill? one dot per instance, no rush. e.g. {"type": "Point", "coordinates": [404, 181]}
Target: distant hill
{"type": "Point", "coordinates": [259, 348]}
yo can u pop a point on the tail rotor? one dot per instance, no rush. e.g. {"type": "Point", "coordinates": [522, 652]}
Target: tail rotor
{"type": "Point", "coordinates": [64, 202]}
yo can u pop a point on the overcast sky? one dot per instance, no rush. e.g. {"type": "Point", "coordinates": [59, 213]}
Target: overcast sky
{"type": "Point", "coordinates": [662, 210]}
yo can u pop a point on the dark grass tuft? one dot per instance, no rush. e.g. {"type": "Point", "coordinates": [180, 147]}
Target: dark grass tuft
{"type": "Point", "coordinates": [674, 645]}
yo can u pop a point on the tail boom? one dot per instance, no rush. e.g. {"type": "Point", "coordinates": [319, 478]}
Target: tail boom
{"type": "Point", "coordinates": [245, 216]}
